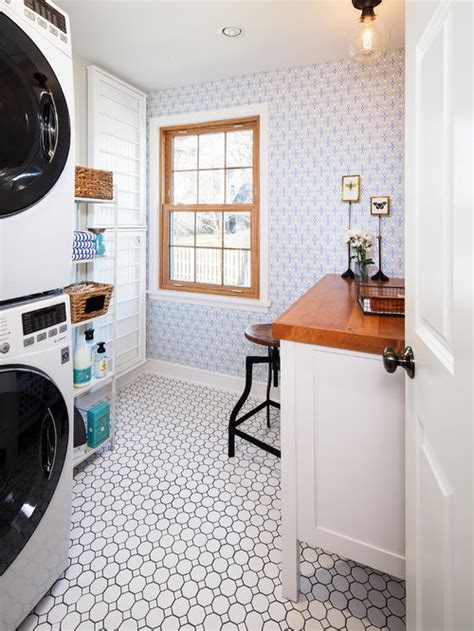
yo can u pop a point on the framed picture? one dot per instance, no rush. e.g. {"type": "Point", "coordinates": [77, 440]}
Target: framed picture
{"type": "Point", "coordinates": [380, 205]}
{"type": "Point", "coordinates": [350, 188]}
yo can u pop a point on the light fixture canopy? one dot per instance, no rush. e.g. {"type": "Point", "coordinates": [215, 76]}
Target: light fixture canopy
{"type": "Point", "coordinates": [232, 32]}
{"type": "Point", "coordinates": [368, 39]}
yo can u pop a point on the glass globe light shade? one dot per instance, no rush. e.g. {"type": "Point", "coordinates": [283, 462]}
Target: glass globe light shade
{"type": "Point", "coordinates": [368, 39]}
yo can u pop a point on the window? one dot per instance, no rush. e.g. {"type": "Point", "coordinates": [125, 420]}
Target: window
{"type": "Point", "coordinates": [209, 223]}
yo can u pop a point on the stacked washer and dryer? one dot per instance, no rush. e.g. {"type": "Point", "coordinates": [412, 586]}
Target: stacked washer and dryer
{"type": "Point", "coordinates": [36, 227]}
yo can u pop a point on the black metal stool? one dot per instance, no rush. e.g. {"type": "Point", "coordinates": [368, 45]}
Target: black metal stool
{"type": "Point", "coordinates": [259, 334]}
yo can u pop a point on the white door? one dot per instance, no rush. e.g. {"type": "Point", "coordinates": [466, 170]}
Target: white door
{"type": "Point", "coordinates": [439, 260]}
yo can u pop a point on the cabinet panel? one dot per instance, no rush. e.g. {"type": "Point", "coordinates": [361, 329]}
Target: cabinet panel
{"type": "Point", "coordinates": [349, 416]}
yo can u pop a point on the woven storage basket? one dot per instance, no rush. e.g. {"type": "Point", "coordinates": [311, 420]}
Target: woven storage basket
{"type": "Point", "coordinates": [88, 300]}
{"type": "Point", "coordinates": [93, 183]}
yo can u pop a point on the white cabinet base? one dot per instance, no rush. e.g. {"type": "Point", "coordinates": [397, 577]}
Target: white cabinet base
{"type": "Point", "coordinates": [343, 469]}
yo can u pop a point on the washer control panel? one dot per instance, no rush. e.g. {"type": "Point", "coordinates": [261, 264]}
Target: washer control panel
{"type": "Point", "coordinates": [4, 335]}
{"type": "Point", "coordinates": [34, 329]}
{"type": "Point", "coordinates": [44, 318]}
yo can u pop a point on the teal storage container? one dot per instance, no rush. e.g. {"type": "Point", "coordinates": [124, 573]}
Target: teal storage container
{"type": "Point", "coordinates": [98, 424]}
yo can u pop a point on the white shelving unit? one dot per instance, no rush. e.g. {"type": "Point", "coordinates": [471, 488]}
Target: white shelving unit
{"type": "Point", "coordinates": [83, 215]}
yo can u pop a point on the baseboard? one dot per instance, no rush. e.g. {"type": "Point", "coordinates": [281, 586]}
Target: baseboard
{"type": "Point", "coordinates": [190, 374]}
{"type": "Point", "coordinates": [124, 379]}
{"type": "Point", "coordinates": [199, 375]}
{"type": "Point", "coordinates": [131, 375]}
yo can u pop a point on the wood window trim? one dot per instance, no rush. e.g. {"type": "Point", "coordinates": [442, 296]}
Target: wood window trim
{"type": "Point", "coordinates": [165, 179]}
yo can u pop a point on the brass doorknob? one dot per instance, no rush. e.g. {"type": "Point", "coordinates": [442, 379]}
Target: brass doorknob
{"type": "Point", "coordinates": [391, 361]}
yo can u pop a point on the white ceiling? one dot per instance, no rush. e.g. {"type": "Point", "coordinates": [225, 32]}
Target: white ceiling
{"type": "Point", "coordinates": [156, 44]}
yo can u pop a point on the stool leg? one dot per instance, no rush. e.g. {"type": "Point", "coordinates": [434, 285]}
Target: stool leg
{"type": "Point", "coordinates": [233, 417]}
{"type": "Point", "coordinates": [276, 366]}
{"type": "Point", "coordinates": [269, 383]}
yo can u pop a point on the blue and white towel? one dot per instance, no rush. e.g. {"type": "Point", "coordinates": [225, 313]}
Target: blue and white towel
{"type": "Point", "coordinates": [84, 245]}
{"type": "Point", "coordinates": [83, 238]}
{"type": "Point", "coordinates": [83, 253]}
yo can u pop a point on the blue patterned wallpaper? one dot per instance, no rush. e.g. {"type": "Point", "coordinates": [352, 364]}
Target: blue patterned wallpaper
{"type": "Point", "coordinates": [325, 121]}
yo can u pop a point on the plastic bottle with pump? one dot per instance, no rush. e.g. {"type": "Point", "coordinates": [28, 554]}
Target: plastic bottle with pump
{"type": "Point", "coordinates": [82, 362]}
{"type": "Point", "coordinates": [101, 361]}
{"type": "Point", "coordinates": [89, 335]}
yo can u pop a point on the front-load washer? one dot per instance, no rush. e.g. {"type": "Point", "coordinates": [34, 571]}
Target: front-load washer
{"type": "Point", "coordinates": [36, 148]}
{"type": "Point", "coordinates": [36, 434]}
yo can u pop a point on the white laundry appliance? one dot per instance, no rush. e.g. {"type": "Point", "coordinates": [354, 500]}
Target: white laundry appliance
{"type": "Point", "coordinates": [36, 148]}
{"type": "Point", "coordinates": [36, 434]}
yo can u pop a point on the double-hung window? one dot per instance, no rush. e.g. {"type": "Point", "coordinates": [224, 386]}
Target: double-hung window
{"type": "Point", "coordinates": [209, 220]}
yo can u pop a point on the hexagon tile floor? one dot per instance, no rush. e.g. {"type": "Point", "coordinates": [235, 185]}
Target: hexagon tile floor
{"type": "Point", "coordinates": [169, 534]}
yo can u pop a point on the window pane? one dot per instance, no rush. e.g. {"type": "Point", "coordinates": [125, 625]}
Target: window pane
{"type": "Point", "coordinates": [182, 264]}
{"type": "Point", "coordinates": [211, 151]}
{"type": "Point", "coordinates": [211, 187]}
{"type": "Point", "coordinates": [185, 152]}
{"type": "Point", "coordinates": [182, 229]}
{"type": "Point", "coordinates": [237, 230]}
{"type": "Point", "coordinates": [240, 148]}
{"type": "Point", "coordinates": [239, 186]}
{"type": "Point", "coordinates": [237, 268]}
{"type": "Point", "coordinates": [209, 230]}
{"type": "Point", "coordinates": [209, 266]}
{"type": "Point", "coordinates": [185, 187]}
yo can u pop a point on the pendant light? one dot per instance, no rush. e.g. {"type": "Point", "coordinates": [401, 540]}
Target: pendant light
{"type": "Point", "coordinates": [368, 39]}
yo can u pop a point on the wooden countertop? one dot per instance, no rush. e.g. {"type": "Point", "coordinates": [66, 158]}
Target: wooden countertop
{"type": "Point", "coordinates": [329, 315]}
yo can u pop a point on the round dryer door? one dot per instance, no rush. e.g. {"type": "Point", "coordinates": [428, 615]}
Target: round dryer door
{"type": "Point", "coordinates": [35, 129]}
{"type": "Point", "coordinates": [34, 431]}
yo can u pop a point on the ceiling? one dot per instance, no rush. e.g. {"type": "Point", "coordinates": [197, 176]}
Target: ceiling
{"type": "Point", "coordinates": [156, 44]}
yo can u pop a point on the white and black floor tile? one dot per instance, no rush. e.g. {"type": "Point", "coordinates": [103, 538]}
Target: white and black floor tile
{"type": "Point", "coordinates": [168, 533]}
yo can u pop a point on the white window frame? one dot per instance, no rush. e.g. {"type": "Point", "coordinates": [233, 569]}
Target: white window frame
{"type": "Point", "coordinates": [231, 302]}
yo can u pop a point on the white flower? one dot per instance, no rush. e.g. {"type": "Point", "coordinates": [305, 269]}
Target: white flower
{"type": "Point", "coordinates": [351, 236]}
{"type": "Point", "coordinates": [360, 241]}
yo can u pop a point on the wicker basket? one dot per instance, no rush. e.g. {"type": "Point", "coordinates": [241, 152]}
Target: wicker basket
{"type": "Point", "coordinates": [94, 184]}
{"type": "Point", "coordinates": [88, 300]}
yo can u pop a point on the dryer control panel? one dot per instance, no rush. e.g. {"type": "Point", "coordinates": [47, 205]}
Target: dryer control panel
{"type": "Point", "coordinates": [48, 13]}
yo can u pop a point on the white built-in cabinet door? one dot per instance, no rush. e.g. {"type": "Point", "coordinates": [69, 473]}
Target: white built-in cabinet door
{"type": "Point", "coordinates": [343, 459]}
{"type": "Point", "coordinates": [117, 142]}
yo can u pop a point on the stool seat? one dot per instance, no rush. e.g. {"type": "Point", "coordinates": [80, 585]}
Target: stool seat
{"type": "Point", "coordinates": [261, 334]}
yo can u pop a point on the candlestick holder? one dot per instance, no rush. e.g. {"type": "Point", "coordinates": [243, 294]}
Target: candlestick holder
{"type": "Point", "coordinates": [349, 274]}
{"type": "Point", "coordinates": [379, 275]}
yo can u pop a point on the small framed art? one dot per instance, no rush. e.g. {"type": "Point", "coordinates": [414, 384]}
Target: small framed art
{"type": "Point", "coordinates": [350, 188]}
{"type": "Point", "coordinates": [380, 205]}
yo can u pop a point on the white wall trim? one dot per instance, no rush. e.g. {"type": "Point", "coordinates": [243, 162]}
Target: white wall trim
{"type": "Point", "coordinates": [258, 109]}
{"type": "Point", "coordinates": [219, 302]}
{"type": "Point", "coordinates": [200, 376]}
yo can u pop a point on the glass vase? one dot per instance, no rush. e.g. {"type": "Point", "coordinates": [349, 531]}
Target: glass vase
{"type": "Point", "coordinates": [361, 272]}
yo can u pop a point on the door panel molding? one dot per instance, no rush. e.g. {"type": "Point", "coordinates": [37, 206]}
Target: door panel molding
{"type": "Point", "coordinates": [435, 502]}
{"type": "Point", "coordinates": [434, 287]}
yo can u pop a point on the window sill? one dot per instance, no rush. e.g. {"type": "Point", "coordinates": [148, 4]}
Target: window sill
{"type": "Point", "coordinates": [210, 300]}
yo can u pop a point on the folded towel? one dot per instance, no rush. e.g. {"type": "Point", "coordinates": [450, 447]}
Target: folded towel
{"type": "Point", "coordinates": [81, 257]}
{"type": "Point", "coordinates": [84, 237]}
{"type": "Point", "coordinates": [80, 253]}
{"type": "Point", "coordinates": [84, 248]}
